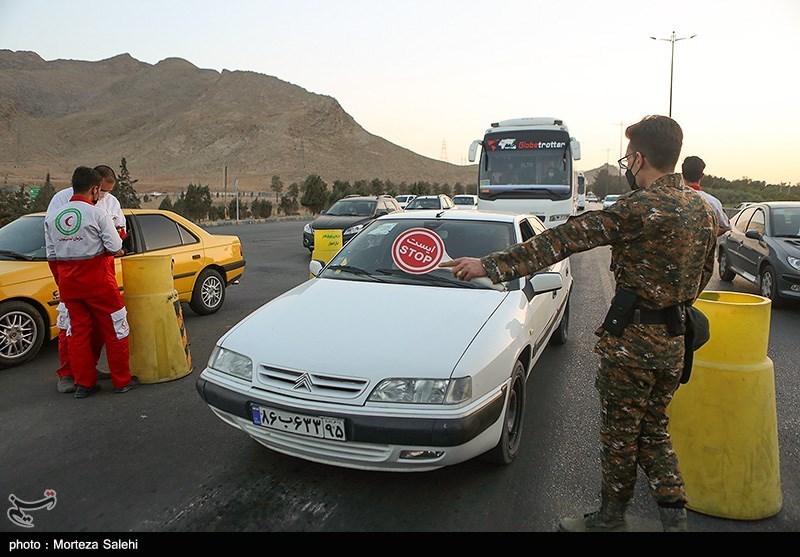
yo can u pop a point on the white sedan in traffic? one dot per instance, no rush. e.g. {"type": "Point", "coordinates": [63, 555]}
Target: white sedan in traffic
{"type": "Point", "coordinates": [385, 361]}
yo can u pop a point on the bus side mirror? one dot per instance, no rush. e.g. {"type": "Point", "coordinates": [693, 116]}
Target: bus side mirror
{"type": "Point", "coordinates": [473, 150]}
{"type": "Point", "coordinates": [575, 146]}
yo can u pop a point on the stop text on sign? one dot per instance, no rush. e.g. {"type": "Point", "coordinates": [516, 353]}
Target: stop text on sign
{"type": "Point", "coordinates": [418, 251]}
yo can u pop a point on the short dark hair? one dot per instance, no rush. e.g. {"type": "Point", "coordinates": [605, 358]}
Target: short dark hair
{"type": "Point", "coordinates": [84, 179]}
{"type": "Point", "coordinates": [106, 172]}
{"type": "Point", "coordinates": [693, 168]}
{"type": "Point", "coordinates": [659, 139]}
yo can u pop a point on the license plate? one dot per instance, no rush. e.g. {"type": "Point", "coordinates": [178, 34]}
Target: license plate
{"type": "Point", "coordinates": [310, 426]}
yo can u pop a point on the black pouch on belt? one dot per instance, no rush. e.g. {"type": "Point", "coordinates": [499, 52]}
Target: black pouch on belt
{"type": "Point", "coordinates": [621, 312]}
{"type": "Point", "coordinates": [676, 320]}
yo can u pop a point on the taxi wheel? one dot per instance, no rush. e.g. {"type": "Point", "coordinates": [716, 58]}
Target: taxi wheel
{"type": "Point", "coordinates": [22, 332]}
{"type": "Point", "coordinates": [209, 292]}
{"type": "Point", "coordinates": [507, 448]}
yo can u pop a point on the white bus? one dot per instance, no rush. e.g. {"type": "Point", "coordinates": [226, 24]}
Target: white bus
{"type": "Point", "coordinates": [526, 166]}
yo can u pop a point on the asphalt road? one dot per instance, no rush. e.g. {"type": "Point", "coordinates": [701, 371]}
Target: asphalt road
{"type": "Point", "coordinates": [157, 459]}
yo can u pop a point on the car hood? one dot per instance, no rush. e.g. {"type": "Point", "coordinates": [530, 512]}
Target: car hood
{"type": "Point", "coordinates": [790, 245]}
{"type": "Point", "coordinates": [330, 222]}
{"type": "Point", "coordinates": [361, 329]}
{"type": "Point", "coordinates": [14, 272]}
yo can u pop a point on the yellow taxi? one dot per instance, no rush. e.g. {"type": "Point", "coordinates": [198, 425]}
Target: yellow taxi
{"type": "Point", "coordinates": [204, 265]}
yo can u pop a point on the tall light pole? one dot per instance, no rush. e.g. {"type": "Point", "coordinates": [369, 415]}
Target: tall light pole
{"type": "Point", "coordinates": [672, 39]}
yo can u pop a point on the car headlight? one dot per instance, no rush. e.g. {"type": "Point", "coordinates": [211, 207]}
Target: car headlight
{"type": "Point", "coordinates": [353, 229]}
{"type": "Point", "coordinates": [423, 391]}
{"type": "Point", "coordinates": [794, 262]}
{"type": "Point", "coordinates": [231, 363]}
{"type": "Point", "coordinates": [558, 217]}
{"type": "Point", "coordinates": [307, 229]}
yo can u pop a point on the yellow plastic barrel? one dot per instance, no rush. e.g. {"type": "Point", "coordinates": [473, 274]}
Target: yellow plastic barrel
{"type": "Point", "coordinates": [326, 244]}
{"type": "Point", "coordinates": [723, 422]}
{"type": "Point", "coordinates": [159, 350]}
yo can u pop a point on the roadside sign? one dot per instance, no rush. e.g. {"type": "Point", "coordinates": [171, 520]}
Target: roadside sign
{"type": "Point", "coordinates": [418, 251]}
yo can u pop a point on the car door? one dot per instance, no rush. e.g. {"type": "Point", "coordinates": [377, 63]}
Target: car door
{"type": "Point", "coordinates": [160, 235]}
{"type": "Point", "coordinates": [735, 238]}
{"type": "Point", "coordinates": [542, 309]}
{"type": "Point", "coordinates": [753, 250]}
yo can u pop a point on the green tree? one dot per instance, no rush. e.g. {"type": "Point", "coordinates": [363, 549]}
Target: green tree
{"type": "Point", "coordinates": [315, 194]}
{"type": "Point", "coordinates": [289, 204]}
{"type": "Point", "coordinates": [166, 204]}
{"type": "Point", "coordinates": [44, 196]}
{"type": "Point", "coordinates": [244, 211]}
{"type": "Point", "coordinates": [459, 189]}
{"type": "Point", "coordinates": [419, 188]}
{"type": "Point", "coordinates": [360, 187]}
{"type": "Point", "coordinates": [13, 204]}
{"type": "Point", "coordinates": [277, 187]}
{"type": "Point", "coordinates": [340, 190]}
{"type": "Point", "coordinates": [197, 202]}
{"type": "Point", "coordinates": [124, 190]}
{"type": "Point", "coordinates": [376, 186]}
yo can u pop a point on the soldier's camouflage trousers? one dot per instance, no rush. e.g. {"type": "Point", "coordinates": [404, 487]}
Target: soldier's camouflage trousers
{"type": "Point", "coordinates": [633, 431]}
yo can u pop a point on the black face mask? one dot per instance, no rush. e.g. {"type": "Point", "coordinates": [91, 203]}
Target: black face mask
{"type": "Point", "coordinates": [631, 178]}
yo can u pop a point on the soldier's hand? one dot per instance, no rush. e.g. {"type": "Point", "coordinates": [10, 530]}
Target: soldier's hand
{"type": "Point", "coordinates": [465, 268]}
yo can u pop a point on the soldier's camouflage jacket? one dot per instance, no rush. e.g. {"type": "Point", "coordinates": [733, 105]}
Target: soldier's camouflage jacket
{"type": "Point", "coordinates": [662, 240]}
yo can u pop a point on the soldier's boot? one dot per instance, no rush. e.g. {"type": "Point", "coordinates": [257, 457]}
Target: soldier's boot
{"type": "Point", "coordinates": [673, 520]}
{"type": "Point", "coordinates": [610, 518]}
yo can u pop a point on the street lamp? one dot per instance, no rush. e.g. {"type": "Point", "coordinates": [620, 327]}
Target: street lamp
{"type": "Point", "coordinates": [673, 39]}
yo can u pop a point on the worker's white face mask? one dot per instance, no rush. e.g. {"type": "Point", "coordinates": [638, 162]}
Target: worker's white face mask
{"type": "Point", "coordinates": [103, 194]}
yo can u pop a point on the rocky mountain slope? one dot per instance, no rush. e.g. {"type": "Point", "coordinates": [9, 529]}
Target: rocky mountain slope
{"type": "Point", "coordinates": [178, 124]}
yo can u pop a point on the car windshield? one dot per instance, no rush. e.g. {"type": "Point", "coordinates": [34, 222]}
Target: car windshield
{"type": "Point", "coordinates": [23, 239]}
{"type": "Point", "coordinates": [368, 257]}
{"type": "Point", "coordinates": [458, 200]}
{"type": "Point", "coordinates": [352, 208]}
{"type": "Point", "coordinates": [424, 203]}
{"type": "Point", "coordinates": [786, 222]}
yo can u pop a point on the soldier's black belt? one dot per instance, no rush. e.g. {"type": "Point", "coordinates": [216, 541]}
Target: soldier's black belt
{"type": "Point", "coordinates": [643, 316]}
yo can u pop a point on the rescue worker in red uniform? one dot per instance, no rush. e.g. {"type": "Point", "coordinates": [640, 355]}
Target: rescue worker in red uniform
{"type": "Point", "coordinates": [107, 201]}
{"type": "Point", "coordinates": [79, 239]}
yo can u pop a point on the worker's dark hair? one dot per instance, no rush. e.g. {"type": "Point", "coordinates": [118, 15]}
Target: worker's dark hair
{"type": "Point", "coordinates": [659, 139]}
{"type": "Point", "coordinates": [692, 169]}
{"type": "Point", "coordinates": [84, 179]}
{"type": "Point", "coordinates": [106, 172]}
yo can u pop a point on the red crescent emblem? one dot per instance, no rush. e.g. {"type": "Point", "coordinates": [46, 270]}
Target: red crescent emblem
{"type": "Point", "coordinates": [67, 221]}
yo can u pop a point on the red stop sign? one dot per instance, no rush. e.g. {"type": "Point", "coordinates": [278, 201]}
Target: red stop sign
{"type": "Point", "coordinates": [418, 251]}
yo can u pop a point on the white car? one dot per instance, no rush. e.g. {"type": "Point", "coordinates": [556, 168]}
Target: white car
{"type": "Point", "coordinates": [609, 200]}
{"type": "Point", "coordinates": [404, 199]}
{"type": "Point", "coordinates": [401, 369]}
{"type": "Point", "coordinates": [465, 201]}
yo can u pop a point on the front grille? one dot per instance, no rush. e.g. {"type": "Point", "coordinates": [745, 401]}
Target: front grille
{"type": "Point", "coordinates": [320, 384]}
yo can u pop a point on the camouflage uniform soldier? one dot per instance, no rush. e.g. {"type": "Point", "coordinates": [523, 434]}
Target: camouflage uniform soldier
{"type": "Point", "coordinates": [662, 238]}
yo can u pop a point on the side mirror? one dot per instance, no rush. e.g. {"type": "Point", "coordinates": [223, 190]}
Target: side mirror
{"type": "Point", "coordinates": [473, 150]}
{"type": "Point", "coordinates": [546, 282]}
{"type": "Point", "coordinates": [753, 235]}
{"type": "Point", "coordinates": [315, 267]}
{"type": "Point", "coordinates": [381, 212]}
{"type": "Point", "coordinates": [575, 146]}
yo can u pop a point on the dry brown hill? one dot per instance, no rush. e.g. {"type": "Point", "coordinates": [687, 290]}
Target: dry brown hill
{"type": "Point", "coordinates": [178, 124]}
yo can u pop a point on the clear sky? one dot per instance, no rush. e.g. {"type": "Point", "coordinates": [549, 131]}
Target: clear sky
{"type": "Point", "coordinates": [431, 75]}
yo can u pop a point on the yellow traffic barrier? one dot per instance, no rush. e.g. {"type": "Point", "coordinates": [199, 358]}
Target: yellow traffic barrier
{"type": "Point", "coordinates": [326, 244]}
{"type": "Point", "coordinates": [159, 348]}
{"type": "Point", "coordinates": [723, 422]}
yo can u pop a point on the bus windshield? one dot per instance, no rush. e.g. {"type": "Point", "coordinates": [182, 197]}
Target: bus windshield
{"type": "Point", "coordinates": [526, 164]}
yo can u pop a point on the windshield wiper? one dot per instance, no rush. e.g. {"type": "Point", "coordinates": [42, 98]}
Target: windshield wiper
{"type": "Point", "coordinates": [16, 255]}
{"type": "Point", "coordinates": [354, 271]}
{"type": "Point", "coordinates": [430, 279]}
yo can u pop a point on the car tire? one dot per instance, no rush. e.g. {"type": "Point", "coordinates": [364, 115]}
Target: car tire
{"type": "Point", "coordinates": [768, 284]}
{"type": "Point", "coordinates": [208, 293]}
{"type": "Point", "coordinates": [513, 417]}
{"type": "Point", "coordinates": [725, 272]}
{"type": "Point", "coordinates": [561, 334]}
{"type": "Point", "coordinates": [22, 333]}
